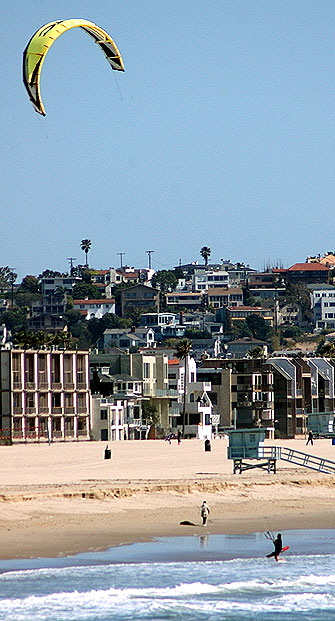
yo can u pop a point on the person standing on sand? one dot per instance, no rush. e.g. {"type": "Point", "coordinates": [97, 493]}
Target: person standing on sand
{"type": "Point", "coordinates": [204, 512]}
{"type": "Point", "coordinates": [179, 436]}
{"type": "Point", "coordinates": [310, 438]}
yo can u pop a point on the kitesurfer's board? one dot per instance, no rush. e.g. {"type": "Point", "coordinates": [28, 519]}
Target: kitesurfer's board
{"type": "Point", "coordinates": [286, 548]}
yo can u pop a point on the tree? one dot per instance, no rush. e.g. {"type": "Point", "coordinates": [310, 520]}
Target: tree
{"type": "Point", "coordinates": [240, 329]}
{"type": "Point", "coordinates": [86, 246]}
{"type": "Point", "coordinates": [183, 351]}
{"type": "Point", "coordinates": [30, 284]}
{"type": "Point", "coordinates": [256, 352]}
{"type": "Point", "coordinates": [149, 413]}
{"type": "Point", "coordinates": [259, 327]}
{"type": "Point", "coordinates": [299, 294]}
{"type": "Point", "coordinates": [84, 290]}
{"type": "Point", "coordinates": [52, 274]}
{"type": "Point", "coordinates": [6, 276]}
{"type": "Point", "coordinates": [15, 319]}
{"type": "Point", "coordinates": [205, 253]}
{"type": "Point", "coordinates": [165, 280]}
{"type": "Point", "coordinates": [326, 350]}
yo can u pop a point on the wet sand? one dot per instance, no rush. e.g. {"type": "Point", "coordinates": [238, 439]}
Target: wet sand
{"type": "Point", "coordinates": [66, 498]}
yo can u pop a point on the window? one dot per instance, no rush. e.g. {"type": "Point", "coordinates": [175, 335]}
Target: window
{"type": "Point", "coordinates": [68, 400]}
{"type": "Point", "coordinates": [103, 414]}
{"type": "Point", "coordinates": [104, 435]}
{"type": "Point", "coordinates": [146, 370]}
{"type": "Point", "coordinates": [56, 400]}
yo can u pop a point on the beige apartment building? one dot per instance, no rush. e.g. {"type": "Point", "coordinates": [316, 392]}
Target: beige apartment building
{"type": "Point", "coordinates": [44, 395]}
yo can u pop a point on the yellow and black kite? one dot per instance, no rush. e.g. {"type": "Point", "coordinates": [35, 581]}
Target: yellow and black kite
{"type": "Point", "coordinates": [42, 40]}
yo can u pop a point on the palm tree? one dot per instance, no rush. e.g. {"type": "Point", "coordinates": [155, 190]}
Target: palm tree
{"type": "Point", "coordinates": [205, 253]}
{"type": "Point", "coordinates": [86, 246]}
{"type": "Point", "coordinates": [183, 349]}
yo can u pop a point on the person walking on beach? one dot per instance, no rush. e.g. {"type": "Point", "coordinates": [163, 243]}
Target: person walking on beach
{"type": "Point", "coordinates": [310, 438]}
{"type": "Point", "coordinates": [278, 544]}
{"type": "Point", "coordinates": [204, 512]}
{"type": "Point", "coordinates": [179, 436]}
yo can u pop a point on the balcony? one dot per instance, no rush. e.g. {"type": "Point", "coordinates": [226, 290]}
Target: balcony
{"type": "Point", "coordinates": [43, 409]}
{"type": "Point", "coordinates": [200, 386]}
{"type": "Point", "coordinates": [31, 410]}
{"type": "Point", "coordinates": [151, 391]}
{"type": "Point", "coordinates": [69, 410]}
{"type": "Point", "coordinates": [68, 386]}
{"type": "Point", "coordinates": [56, 386]}
{"type": "Point", "coordinates": [82, 409]}
{"type": "Point", "coordinates": [81, 386]}
{"type": "Point", "coordinates": [17, 410]}
{"type": "Point", "coordinates": [43, 385]}
{"type": "Point", "coordinates": [56, 411]}
{"type": "Point", "coordinates": [30, 385]}
{"type": "Point", "coordinates": [17, 385]}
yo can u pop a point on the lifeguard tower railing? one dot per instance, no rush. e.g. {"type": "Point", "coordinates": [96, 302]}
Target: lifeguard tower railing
{"type": "Point", "coordinates": [248, 444]}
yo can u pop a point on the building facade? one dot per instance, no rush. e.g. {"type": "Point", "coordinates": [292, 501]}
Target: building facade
{"type": "Point", "coordinates": [45, 395]}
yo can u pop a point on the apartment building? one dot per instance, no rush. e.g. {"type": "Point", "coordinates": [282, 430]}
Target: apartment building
{"type": "Point", "coordinates": [242, 392]}
{"type": "Point", "coordinates": [45, 395]}
{"type": "Point", "coordinates": [150, 367]}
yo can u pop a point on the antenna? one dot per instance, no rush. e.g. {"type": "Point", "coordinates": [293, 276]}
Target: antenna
{"type": "Point", "coordinates": [149, 253]}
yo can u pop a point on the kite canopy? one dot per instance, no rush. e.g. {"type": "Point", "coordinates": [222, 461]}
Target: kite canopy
{"type": "Point", "coordinates": [42, 40]}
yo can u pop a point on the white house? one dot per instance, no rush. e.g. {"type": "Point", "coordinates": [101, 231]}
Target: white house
{"type": "Point", "coordinates": [323, 305]}
{"type": "Point", "coordinates": [126, 338]}
{"type": "Point", "coordinates": [94, 308]}
{"type": "Point", "coordinates": [198, 407]}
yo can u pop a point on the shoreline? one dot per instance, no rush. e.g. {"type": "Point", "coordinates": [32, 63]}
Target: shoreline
{"type": "Point", "coordinates": [63, 500]}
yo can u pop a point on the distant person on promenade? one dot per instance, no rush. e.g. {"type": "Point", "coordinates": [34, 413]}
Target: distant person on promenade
{"type": "Point", "coordinates": [204, 512]}
{"type": "Point", "coordinates": [179, 436]}
{"type": "Point", "coordinates": [310, 438]}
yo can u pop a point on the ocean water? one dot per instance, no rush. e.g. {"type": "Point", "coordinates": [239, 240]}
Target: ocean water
{"type": "Point", "coordinates": [203, 577]}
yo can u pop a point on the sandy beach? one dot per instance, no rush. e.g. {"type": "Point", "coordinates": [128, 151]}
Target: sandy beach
{"type": "Point", "coordinates": [66, 498]}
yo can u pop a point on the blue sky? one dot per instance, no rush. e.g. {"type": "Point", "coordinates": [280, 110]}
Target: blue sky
{"type": "Point", "coordinates": [219, 133]}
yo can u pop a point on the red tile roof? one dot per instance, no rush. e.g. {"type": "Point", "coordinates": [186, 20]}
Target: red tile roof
{"type": "Point", "coordinates": [303, 267]}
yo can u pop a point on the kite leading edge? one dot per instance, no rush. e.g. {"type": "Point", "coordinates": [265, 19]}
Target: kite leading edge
{"type": "Point", "coordinates": [42, 40]}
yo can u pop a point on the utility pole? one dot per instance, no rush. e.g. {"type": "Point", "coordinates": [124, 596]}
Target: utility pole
{"type": "Point", "coordinates": [149, 253]}
{"type": "Point", "coordinates": [71, 259]}
{"type": "Point", "coordinates": [121, 255]}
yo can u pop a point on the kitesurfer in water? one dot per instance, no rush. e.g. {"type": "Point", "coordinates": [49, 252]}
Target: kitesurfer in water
{"type": "Point", "coordinates": [278, 544]}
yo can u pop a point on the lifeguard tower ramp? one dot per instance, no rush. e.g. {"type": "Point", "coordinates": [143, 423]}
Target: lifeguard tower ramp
{"type": "Point", "coordinates": [248, 444]}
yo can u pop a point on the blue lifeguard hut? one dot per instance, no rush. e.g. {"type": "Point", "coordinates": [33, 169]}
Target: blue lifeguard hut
{"type": "Point", "coordinates": [248, 444]}
{"type": "Point", "coordinates": [321, 424]}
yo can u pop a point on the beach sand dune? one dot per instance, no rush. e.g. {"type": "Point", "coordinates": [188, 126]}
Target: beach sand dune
{"type": "Point", "coordinates": [66, 498]}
